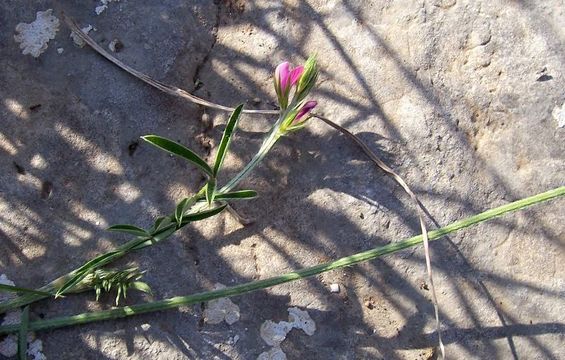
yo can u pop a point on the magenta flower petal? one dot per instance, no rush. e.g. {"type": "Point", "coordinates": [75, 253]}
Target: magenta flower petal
{"type": "Point", "coordinates": [309, 105]}
{"type": "Point", "coordinates": [295, 75]}
{"type": "Point", "coordinates": [282, 74]}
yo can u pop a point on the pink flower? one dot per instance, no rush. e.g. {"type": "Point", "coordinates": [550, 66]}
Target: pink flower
{"type": "Point", "coordinates": [295, 75]}
{"type": "Point", "coordinates": [306, 108]}
{"type": "Point", "coordinates": [285, 78]}
{"type": "Point", "coordinates": [282, 74]}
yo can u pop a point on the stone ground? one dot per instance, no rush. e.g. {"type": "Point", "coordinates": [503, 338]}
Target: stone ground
{"type": "Point", "coordinates": [460, 97]}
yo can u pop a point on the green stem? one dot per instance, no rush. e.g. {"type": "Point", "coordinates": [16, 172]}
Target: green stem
{"type": "Point", "coordinates": [281, 279]}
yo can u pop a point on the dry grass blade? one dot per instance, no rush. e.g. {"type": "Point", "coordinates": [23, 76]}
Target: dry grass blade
{"type": "Point", "coordinates": [414, 198]}
{"type": "Point", "coordinates": [171, 90]}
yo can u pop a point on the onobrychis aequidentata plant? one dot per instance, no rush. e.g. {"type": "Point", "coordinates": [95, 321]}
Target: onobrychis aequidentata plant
{"type": "Point", "coordinates": [292, 87]}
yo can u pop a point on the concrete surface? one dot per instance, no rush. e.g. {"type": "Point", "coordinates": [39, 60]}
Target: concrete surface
{"type": "Point", "coordinates": [457, 96]}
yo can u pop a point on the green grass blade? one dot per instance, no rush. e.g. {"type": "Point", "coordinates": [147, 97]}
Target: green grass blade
{"type": "Point", "coordinates": [235, 195]}
{"type": "Point", "coordinates": [22, 337]}
{"type": "Point", "coordinates": [291, 276]}
{"type": "Point", "coordinates": [129, 229]}
{"type": "Point", "coordinates": [9, 288]}
{"type": "Point", "coordinates": [226, 139]}
{"type": "Point", "coordinates": [179, 150]}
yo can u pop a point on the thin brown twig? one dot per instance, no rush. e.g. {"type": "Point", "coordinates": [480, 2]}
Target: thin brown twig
{"type": "Point", "coordinates": [169, 89]}
{"type": "Point", "coordinates": [174, 91]}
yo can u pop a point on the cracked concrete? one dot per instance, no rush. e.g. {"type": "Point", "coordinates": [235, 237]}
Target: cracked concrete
{"type": "Point", "coordinates": [462, 98]}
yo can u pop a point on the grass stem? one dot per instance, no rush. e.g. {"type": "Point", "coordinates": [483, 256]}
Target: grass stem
{"type": "Point", "coordinates": [177, 301]}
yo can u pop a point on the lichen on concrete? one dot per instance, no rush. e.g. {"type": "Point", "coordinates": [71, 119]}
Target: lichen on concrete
{"type": "Point", "coordinates": [33, 37]}
{"type": "Point", "coordinates": [274, 333]}
{"type": "Point", "coordinates": [219, 310]}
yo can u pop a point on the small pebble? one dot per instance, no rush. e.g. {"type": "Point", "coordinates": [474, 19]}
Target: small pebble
{"type": "Point", "coordinates": [334, 288]}
{"type": "Point", "coordinates": [60, 50]}
{"type": "Point", "coordinates": [115, 46]}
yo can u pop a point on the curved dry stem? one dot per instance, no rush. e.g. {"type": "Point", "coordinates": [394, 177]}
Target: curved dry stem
{"type": "Point", "coordinates": [420, 212]}
{"type": "Point", "coordinates": [169, 89]}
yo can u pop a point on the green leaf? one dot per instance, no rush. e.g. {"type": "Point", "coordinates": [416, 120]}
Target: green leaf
{"type": "Point", "coordinates": [22, 337]}
{"type": "Point", "coordinates": [129, 229]}
{"type": "Point", "coordinates": [9, 288]}
{"type": "Point", "coordinates": [163, 232]}
{"type": "Point", "coordinates": [141, 286]}
{"type": "Point", "coordinates": [226, 139]}
{"type": "Point", "coordinates": [182, 207]}
{"type": "Point", "coordinates": [162, 223]}
{"type": "Point", "coordinates": [179, 150]}
{"type": "Point", "coordinates": [235, 195]}
{"type": "Point", "coordinates": [157, 223]}
{"type": "Point", "coordinates": [210, 191]}
{"type": "Point", "coordinates": [203, 214]}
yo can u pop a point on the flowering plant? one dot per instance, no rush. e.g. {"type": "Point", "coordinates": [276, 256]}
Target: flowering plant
{"type": "Point", "coordinates": [209, 201]}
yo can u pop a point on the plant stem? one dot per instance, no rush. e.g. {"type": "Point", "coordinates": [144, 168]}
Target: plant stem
{"type": "Point", "coordinates": [281, 279]}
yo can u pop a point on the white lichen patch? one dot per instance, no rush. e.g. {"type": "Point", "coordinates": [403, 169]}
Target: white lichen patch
{"type": "Point", "coordinates": [77, 40]}
{"type": "Point", "coordinates": [300, 319]}
{"type": "Point", "coordinates": [274, 354]}
{"type": "Point", "coordinates": [221, 310]}
{"type": "Point", "coordinates": [558, 114]}
{"type": "Point", "coordinates": [275, 333]}
{"type": "Point", "coordinates": [100, 9]}
{"type": "Point", "coordinates": [33, 37]}
{"type": "Point", "coordinates": [9, 346]}
{"type": "Point", "coordinates": [35, 350]}
{"type": "Point", "coordinates": [103, 6]}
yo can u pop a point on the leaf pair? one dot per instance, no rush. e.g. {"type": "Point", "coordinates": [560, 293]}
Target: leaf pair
{"type": "Point", "coordinates": [189, 155]}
